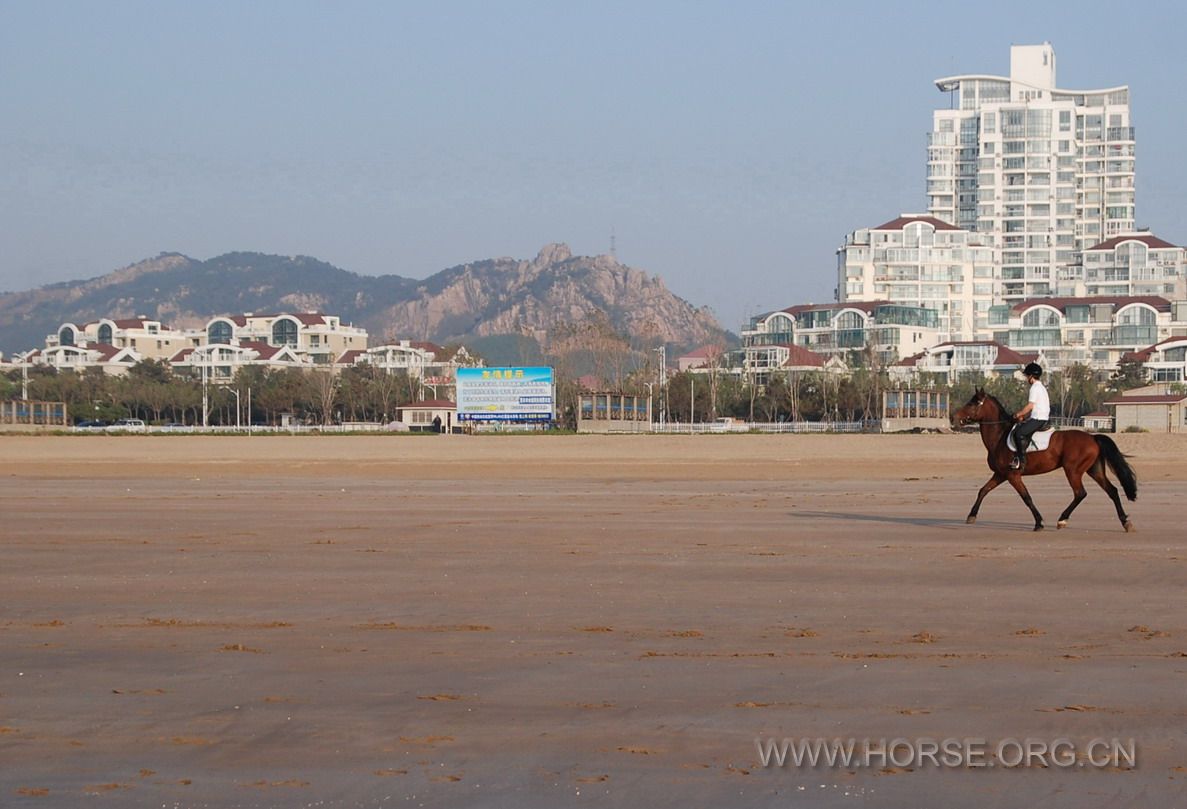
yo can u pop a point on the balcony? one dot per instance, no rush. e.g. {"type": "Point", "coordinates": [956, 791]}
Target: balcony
{"type": "Point", "coordinates": [1034, 338]}
{"type": "Point", "coordinates": [1138, 336]}
{"type": "Point", "coordinates": [850, 338]}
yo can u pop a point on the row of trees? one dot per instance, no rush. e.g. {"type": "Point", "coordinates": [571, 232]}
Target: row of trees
{"type": "Point", "coordinates": [857, 395]}
{"type": "Point", "coordinates": [256, 395]}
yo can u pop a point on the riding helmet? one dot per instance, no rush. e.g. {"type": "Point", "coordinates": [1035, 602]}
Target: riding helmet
{"type": "Point", "coordinates": [1032, 369]}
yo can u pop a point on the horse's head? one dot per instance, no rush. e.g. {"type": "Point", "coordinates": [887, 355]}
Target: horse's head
{"type": "Point", "coordinates": [979, 408]}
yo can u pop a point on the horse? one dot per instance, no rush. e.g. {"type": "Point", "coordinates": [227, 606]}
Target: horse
{"type": "Point", "coordinates": [1075, 451]}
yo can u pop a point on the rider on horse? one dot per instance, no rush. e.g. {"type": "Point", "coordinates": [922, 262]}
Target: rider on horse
{"type": "Point", "coordinates": [1033, 417]}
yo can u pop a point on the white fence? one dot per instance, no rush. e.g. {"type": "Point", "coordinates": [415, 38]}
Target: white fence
{"type": "Point", "coordinates": [768, 427]}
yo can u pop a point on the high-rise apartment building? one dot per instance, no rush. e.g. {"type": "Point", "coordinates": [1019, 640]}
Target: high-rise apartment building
{"type": "Point", "coordinates": [1041, 174]}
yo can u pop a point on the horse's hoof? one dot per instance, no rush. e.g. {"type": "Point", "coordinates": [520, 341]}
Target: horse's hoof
{"type": "Point", "coordinates": [972, 518]}
{"type": "Point", "coordinates": [1039, 527]}
{"type": "Point", "coordinates": [1061, 524]}
{"type": "Point", "coordinates": [1129, 529]}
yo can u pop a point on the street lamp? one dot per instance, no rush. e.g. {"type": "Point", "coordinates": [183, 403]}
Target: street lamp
{"type": "Point", "coordinates": [238, 423]}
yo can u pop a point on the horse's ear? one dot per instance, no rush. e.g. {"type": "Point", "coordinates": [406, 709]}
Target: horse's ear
{"type": "Point", "coordinates": [980, 391]}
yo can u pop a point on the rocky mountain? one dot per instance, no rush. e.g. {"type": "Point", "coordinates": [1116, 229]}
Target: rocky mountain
{"type": "Point", "coordinates": [535, 299]}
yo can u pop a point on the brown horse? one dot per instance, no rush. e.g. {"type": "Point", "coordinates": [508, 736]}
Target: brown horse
{"type": "Point", "coordinates": [1075, 451]}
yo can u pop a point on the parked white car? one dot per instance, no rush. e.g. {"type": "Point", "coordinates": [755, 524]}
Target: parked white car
{"type": "Point", "coordinates": [128, 426]}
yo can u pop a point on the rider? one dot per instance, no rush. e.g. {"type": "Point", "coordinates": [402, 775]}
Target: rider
{"type": "Point", "coordinates": [1033, 417]}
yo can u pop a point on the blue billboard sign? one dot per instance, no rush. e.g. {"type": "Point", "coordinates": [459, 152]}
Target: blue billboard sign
{"type": "Point", "coordinates": [505, 394]}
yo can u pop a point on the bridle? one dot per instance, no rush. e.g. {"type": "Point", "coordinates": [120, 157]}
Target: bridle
{"type": "Point", "coordinates": [978, 407]}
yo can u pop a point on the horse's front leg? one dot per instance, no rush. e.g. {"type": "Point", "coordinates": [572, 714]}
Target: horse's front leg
{"type": "Point", "coordinates": [1016, 481]}
{"type": "Point", "coordinates": [993, 483]}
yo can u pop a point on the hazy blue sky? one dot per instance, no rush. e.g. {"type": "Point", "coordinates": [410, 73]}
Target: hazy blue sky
{"type": "Point", "coordinates": [730, 146]}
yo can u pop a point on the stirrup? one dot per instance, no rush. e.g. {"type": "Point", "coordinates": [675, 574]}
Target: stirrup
{"type": "Point", "coordinates": [1015, 463]}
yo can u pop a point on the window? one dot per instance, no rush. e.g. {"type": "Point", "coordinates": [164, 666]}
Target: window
{"type": "Point", "coordinates": [1136, 316]}
{"type": "Point", "coordinates": [66, 336]}
{"type": "Point", "coordinates": [105, 334]}
{"type": "Point", "coordinates": [219, 333]}
{"type": "Point", "coordinates": [1040, 317]}
{"type": "Point", "coordinates": [284, 332]}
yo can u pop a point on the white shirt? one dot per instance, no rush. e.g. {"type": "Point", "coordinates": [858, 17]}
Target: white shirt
{"type": "Point", "coordinates": [1041, 401]}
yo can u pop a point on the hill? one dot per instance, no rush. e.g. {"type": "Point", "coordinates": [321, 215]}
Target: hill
{"type": "Point", "coordinates": [496, 302]}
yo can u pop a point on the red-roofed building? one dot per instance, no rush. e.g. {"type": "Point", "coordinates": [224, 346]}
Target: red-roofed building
{"type": "Point", "coordinates": [976, 359]}
{"type": "Point", "coordinates": [78, 358]}
{"type": "Point", "coordinates": [837, 330]}
{"type": "Point", "coordinates": [1165, 361]}
{"type": "Point", "coordinates": [149, 338]}
{"type": "Point", "coordinates": [434, 366]}
{"type": "Point", "coordinates": [921, 260]}
{"type": "Point", "coordinates": [702, 357]}
{"type": "Point", "coordinates": [1092, 331]}
{"type": "Point", "coordinates": [1154, 408]}
{"type": "Point", "coordinates": [219, 362]}
{"type": "Point", "coordinates": [319, 338]}
{"type": "Point", "coordinates": [1133, 264]}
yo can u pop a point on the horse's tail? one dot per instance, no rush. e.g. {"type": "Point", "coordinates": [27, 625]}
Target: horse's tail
{"type": "Point", "coordinates": [1115, 459]}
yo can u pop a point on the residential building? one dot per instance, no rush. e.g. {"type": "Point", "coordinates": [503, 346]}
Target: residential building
{"type": "Point", "coordinates": [430, 364]}
{"type": "Point", "coordinates": [889, 330]}
{"type": "Point", "coordinates": [113, 361]}
{"type": "Point", "coordinates": [218, 362]}
{"type": "Point", "coordinates": [1165, 361]}
{"type": "Point", "coordinates": [704, 357]}
{"type": "Point", "coordinates": [321, 338]}
{"type": "Point", "coordinates": [150, 339]}
{"type": "Point", "coordinates": [1093, 331]}
{"type": "Point", "coordinates": [1130, 264]}
{"type": "Point", "coordinates": [949, 362]}
{"type": "Point", "coordinates": [1040, 173]}
{"type": "Point", "coordinates": [218, 349]}
{"type": "Point", "coordinates": [919, 260]}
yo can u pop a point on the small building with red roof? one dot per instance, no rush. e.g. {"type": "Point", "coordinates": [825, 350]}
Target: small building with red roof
{"type": "Point", "coordinates": [1153, 408]}
{"type": "Point", "coordinates": [429, 415]}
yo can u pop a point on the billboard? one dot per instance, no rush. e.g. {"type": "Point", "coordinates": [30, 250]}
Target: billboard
{"type": "Point", "coordinates": [504, 394]}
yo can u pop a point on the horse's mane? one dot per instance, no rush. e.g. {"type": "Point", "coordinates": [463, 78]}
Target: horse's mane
{"type": "Point", "coordinates": [997, 402]}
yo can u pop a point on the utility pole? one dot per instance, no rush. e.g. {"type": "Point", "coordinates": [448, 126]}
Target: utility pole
{"type": "Point", "coordinates": [205, 399]}
{"type": "Point", "coordinates": [662, 377]}
{"type": "Point", "coordinates": [25, 376]}
{"type": "Point", "coordinates": [692, 399]}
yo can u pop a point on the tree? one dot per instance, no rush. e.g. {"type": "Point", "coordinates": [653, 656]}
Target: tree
{"type": "Point", "coordinates": [322, 392]}
{"type": "Point", "coordinates": [1130, 374]}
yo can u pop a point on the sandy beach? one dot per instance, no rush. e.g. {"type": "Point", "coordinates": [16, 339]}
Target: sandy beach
{"type": "Point", "coordinates": [544, 621]}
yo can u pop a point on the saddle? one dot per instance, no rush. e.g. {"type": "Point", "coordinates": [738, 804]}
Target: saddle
{"type": "Point", "coordinates": [1038, 441]}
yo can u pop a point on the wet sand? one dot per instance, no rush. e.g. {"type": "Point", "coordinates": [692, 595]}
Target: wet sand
{"type": "Point", "coordinates": [553, 621]}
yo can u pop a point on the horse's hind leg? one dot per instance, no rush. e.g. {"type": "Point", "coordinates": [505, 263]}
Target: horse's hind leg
{"type": "Point", "coordinates": [1075, 479]}
{"type": "Point", "coordinates": [1020, 487]}
{"type": "Point", "coordinates": [1097, 473]}
{"type": "Point", "coordinates": [993, 483]}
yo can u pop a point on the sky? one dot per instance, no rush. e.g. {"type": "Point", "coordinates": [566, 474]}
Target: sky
{"type": "Point", "coordinates": [729, 147]}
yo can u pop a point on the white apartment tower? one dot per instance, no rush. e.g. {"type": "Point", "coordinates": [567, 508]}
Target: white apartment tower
{"type": "Point", "coordinates": [1039, 173]}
